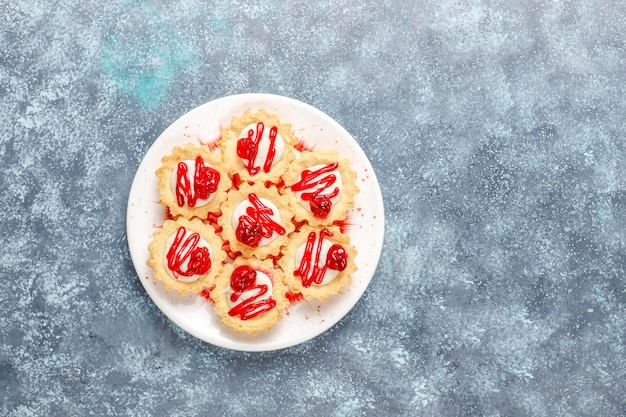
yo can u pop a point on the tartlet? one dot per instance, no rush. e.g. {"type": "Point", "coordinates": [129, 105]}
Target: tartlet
{"type": "Point", "coordinates": [322, 187]}
{"type": "Point", "coordinates": [256, 220]}
{"type": "Point", "coordinates": [257, 147]}
{"type": "Point", "coordinates": [249, 295]}
{"type": "Point", "coordinates": [192, 182]}
{"type": "Point", "coordinates": [318, 262]}
{"type": "Point", "coordinates": [186, 255]}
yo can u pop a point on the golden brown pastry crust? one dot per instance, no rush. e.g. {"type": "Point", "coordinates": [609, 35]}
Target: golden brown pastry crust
{"type": "Point", "coordinates": [262, 322]}
{"type": "Point", "coordinates": [234, 198]}
{"type": "Point", "coordinates": [288, 264]}
{"type": "Point", "coordinates": [157, 255]}
{"type": "Point", "coordinates": [170, 162]}
{"type": "Point", "coordinates": [308, 159]}
{"type": "Point", "coordinates": [231, 134]}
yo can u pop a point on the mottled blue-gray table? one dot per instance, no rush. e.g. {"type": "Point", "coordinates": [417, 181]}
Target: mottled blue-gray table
{"type": "Point", "coordinates": [496, 129]}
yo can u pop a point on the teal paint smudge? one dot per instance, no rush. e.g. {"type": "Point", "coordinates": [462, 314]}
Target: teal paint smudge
{"type": "Point", "coordinates": [221, 16]}
{"type": "Point", "coordinates": [145, 67]}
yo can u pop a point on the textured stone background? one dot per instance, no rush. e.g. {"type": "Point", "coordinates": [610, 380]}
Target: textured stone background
{"type": "Point", "coordinates": [497, 132]}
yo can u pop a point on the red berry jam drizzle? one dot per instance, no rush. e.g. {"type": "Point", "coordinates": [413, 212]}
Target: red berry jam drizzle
{"type": "Point", "coordinates": [205, 294]}
{"type": "Point", "coordinates": [279, 185]}
{"type": "Point", "coordinates": [242, 280]}
{"type": "Point", "coordinates": [319, 203]}
{"type": "Point", "coordinates": [229, 252]}
{"type": "Point", "coordinates": [248, 148]}
{"type": "Point", "coordinates": [211, 218]}
{"type": "Point", "coordinates": [182, 250]}
{"type": "Point", "coordinates": [257, 224]}
{"type": "Point", "coordinates": [301, 145]}
{"type": "Point", "coordinates": [343, 225]}
{"type": "Point", "coordinates": [309, 271]}
{"type": "Point", "coordinates": [237, 181]}
{"type": "Point", "coordinates": [205, 181]}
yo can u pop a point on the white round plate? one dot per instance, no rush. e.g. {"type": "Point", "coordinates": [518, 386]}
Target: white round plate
{"type": "Point", "coordinates": [305, 319]}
